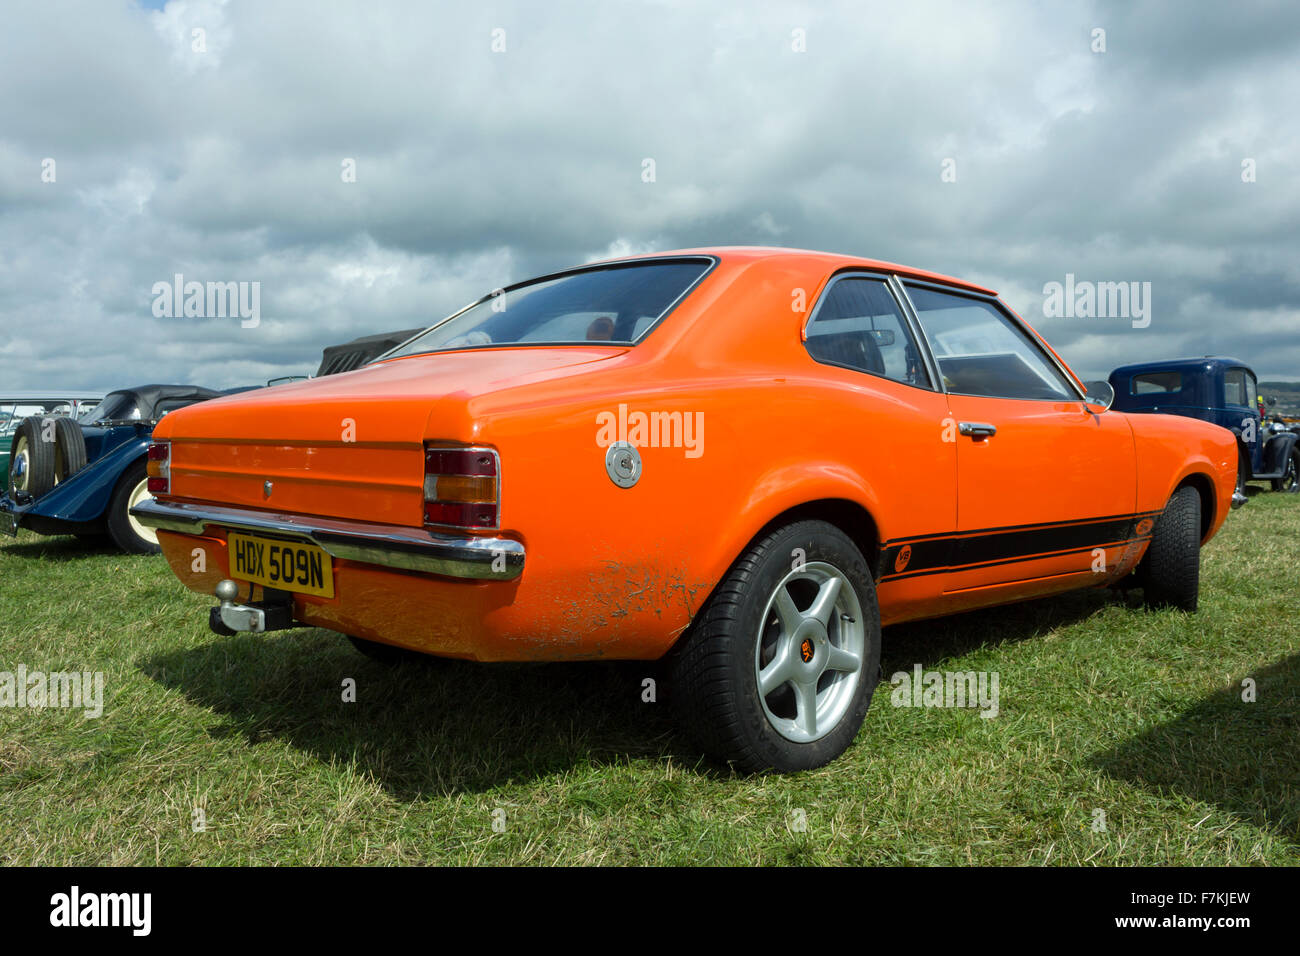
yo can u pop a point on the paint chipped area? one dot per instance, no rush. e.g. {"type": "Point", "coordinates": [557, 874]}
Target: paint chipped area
{"type": "Point", "coordinates": [627, 609]}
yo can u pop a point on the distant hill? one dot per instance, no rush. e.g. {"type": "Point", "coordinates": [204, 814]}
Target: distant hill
{"type": "Point", "coordinates": [1287, 395]}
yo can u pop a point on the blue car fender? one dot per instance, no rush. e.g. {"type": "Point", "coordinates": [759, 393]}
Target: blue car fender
{"type": "Point", "coordinates": [85, 495]}
{"type": "Point", "coordinates": [1277, 450]}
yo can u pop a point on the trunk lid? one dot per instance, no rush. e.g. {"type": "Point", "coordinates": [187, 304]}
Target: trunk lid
{"type": "Point", "coordinates": [349, 445]}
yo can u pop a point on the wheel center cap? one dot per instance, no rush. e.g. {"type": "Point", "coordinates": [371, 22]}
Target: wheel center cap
{"type": "Point", "coordinates": [810, 639]}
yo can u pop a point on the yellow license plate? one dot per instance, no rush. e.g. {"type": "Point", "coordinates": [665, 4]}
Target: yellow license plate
{"type": "Point", "coordinates": [286, 565]}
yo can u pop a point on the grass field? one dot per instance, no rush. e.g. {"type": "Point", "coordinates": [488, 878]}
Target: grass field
{"type": "Point", "coordinates": [1104, 706]}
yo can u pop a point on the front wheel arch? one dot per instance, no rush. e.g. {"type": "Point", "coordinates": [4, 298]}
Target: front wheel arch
{"type": "Point", "coordinates": [1170, 570]}
{"type": "Point", "coordinates": [1205, 488]}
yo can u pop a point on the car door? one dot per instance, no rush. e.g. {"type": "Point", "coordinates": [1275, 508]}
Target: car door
{"type": "Point", "coordinates": [1046, 486]}
{"type": "Point", "coordinates": [890, 420]}
{"type": "Point", "coordinates": [1241, 401]}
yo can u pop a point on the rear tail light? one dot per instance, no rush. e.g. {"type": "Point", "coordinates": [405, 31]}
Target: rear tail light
{"type": "Point", "coordinates": [159, 467]}
{"type": "Point", "coordinates": [462, 486]}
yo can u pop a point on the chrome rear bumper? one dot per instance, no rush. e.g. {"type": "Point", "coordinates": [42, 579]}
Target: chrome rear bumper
{"type": "Point", "coordinates": [393, 546]}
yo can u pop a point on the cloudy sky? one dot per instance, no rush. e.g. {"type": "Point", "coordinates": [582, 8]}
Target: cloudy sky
{"type": "Point", "coordinates": [492, 142]}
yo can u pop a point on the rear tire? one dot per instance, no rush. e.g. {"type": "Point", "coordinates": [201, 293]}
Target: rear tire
{"type": "Point", "coordinates": [127, 532]}
{"type": "Point", "coordinates": [1172, 565]}
{"type": "Point", "coordinates": [796, 615]}
{"type": "Point", "coordinates": [1289, 483]}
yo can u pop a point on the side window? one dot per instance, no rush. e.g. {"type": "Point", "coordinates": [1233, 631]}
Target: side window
{"type": "Point", "coordinates": [1157, 383]}
{"type": "Point", "coordinates": [858, 324]}
{"type": "Point", "coordinates": [171, 405]}
{"type": "Point", "coordinates": [1239, 389]}
{"type": "Point", "coordinates": [980, 351]}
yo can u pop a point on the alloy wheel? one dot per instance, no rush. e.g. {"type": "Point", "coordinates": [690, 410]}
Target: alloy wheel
{"type": "Point", "coordinates": [809, 652]}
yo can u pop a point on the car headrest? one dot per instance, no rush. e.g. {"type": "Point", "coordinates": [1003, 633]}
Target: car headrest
{"type": "Point", "coordinates": [854, 349]}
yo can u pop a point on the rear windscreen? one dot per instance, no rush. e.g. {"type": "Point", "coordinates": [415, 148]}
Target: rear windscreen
{"type": "Point", "coordinates": [615, 305]}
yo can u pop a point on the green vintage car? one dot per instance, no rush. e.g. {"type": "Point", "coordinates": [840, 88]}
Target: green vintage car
{"type": "Point", "coordinates": [15, 406]}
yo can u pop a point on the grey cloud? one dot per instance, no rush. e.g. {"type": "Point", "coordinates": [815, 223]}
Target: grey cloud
{"type": "Point", "coordinates": [476, 169]}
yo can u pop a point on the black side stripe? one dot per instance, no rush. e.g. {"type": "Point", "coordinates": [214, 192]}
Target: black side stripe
{"type": "Point", "coordinates": [1022, 527]}
{"type": "Point", "coordinates": [1016, 560]}
{"type": "Point", "coordinates": [933, 554]}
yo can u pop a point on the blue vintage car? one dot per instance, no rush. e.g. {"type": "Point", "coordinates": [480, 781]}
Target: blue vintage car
{"type": "Point", "coordinates": [81, 476]}
{"type": "Point", "coordinates": [1219, 390]}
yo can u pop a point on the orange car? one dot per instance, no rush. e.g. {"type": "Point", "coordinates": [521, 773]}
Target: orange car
{"type": "Point", "coordinates": [745, 459]}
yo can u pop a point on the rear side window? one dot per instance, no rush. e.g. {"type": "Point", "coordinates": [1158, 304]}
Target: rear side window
{"type": "Point", "coordinates": [116, 406]}
{"type": "Point", "coordinates": [171, 405]}
{"type": "Point", "coordinates": [858, 325]}
{"type": "Point", "coordinates": [1155, 383]}
{"type": "Point", "coordinates": [981, 352]}
{"type": "Point", "coordinates": [616, 304]}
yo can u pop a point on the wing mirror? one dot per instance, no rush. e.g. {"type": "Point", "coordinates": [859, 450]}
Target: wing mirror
{"type": "Point", "coordinates": [1098, 396]}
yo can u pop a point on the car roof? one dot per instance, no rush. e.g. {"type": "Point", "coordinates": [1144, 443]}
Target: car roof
{"type": "Point", "coordinates": [1206, 362]}
{"type": "Point", "coordinates": [832, 261]}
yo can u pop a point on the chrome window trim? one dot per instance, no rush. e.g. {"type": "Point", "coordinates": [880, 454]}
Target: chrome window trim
{"type": "Point", "coordinates": [931, 363]}
{"type": "Point", "coordinates": [711, 260]}
{"type": "Point", "coordinates": [1034, 339]}
{"type": "Point", "coordinates": [884, 278]}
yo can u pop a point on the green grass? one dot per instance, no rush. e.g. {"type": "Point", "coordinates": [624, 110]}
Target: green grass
{"type": "Point", "coordinates": [1103, 706]}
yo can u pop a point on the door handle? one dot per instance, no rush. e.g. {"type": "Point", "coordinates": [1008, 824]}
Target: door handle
{"type": "Point", "coordinates": [977, 430]}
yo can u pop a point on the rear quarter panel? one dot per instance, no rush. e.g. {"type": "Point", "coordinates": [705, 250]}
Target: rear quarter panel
{"type": "Point", "coordinates": [621, 572]}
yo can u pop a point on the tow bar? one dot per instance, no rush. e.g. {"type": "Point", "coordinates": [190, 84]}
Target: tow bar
{"type": "Point", "coordinates": [257, 617]}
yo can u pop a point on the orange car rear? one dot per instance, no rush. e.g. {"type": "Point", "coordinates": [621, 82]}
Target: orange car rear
{"type": "Point", "coordinates": [733, 457]}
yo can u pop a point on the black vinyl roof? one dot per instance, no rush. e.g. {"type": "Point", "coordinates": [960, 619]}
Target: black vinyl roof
{"type": "Point", "coordinates": [148, 398]}
{"type": "Point", "coordinates": [354, 354]}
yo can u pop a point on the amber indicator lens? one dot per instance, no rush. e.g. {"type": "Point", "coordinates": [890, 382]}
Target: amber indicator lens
{"type": "Point", "coordinates": [474, 489]}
